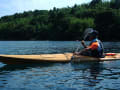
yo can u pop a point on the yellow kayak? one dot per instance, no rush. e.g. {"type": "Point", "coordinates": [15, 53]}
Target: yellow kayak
{"type": "Point", "coordinates": [66, 57]}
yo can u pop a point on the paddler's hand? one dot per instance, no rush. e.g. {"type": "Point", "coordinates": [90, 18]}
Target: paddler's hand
{"type": "Point", "coordinates": [83, 42]}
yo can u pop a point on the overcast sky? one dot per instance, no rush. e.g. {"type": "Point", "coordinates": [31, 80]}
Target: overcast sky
{"type": "Point", "coordinates": [9, 7]}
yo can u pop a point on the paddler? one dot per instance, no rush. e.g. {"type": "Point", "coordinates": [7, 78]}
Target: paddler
{"type": "Point", "coordinates": [95, 49]}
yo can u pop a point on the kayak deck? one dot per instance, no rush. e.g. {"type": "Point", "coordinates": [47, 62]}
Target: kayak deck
{"type": "Point", "coordinates": [79, 58]}
{"type": "Point", "coordinates": [10, 59]}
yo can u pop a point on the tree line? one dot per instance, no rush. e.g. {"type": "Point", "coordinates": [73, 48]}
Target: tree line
{"type": "Point", "coordinates": [64, 23]}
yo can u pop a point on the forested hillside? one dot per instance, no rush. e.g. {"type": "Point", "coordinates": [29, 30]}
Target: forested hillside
{"type": "Point", "coordinates": [65, 23]}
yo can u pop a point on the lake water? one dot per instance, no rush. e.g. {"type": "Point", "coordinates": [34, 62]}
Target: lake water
{"type": "Point", "coordinates": [57, 76]}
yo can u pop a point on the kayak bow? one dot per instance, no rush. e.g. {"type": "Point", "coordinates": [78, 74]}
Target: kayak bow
{"type": "Point", "coordinates": [14, 59]}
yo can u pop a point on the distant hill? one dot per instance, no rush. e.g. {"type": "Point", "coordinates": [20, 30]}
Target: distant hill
{"type": "Point", "coordinates": [63, 24]}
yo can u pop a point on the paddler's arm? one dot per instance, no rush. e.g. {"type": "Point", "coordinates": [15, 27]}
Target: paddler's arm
{"type": "Point", "coordinates": [83, 43]}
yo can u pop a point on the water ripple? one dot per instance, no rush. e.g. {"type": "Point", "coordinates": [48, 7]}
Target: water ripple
{"type": "Point", "coordinates": [59, 76]}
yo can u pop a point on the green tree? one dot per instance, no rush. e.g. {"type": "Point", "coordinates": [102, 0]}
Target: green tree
{"type": "Point", "coordinates": [94, 2]}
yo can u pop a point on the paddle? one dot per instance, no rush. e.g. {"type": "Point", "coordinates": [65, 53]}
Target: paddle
{"type": "Point", "coordinates": [84, 36]}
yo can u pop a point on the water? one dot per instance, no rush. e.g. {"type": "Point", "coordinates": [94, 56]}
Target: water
{"type": "Point", "coordinates": [57, 76]}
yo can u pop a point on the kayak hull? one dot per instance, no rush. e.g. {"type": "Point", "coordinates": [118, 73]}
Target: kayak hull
{"type": "Point", "coordinates": [16, 59]}
{"type": "Point", "coordinates": [81, 58]}
{"type": "Point", "coordinates": [62, 58]}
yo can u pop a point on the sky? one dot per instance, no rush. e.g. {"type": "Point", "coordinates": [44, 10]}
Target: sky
{"type": "Point", "coordinates": [9, 7]}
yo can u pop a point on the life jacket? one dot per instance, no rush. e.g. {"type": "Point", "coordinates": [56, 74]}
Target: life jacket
{"type": "Point", "coordinates": [96, 47]}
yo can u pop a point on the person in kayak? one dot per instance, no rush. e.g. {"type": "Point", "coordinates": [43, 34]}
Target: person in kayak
{"type": "Point", "coordinates": [95, 49]}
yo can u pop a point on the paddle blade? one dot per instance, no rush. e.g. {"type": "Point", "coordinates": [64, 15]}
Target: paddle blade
{"type": "Point", "coordinates": [87, 32]}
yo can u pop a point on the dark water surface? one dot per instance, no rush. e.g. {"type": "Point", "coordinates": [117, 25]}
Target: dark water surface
{"type": "Point", "coordinates": [57, 76]}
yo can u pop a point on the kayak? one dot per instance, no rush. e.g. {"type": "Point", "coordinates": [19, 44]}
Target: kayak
{"type": "Point", "coordinates": [65, 57]}
{"type": "Point", "coordinates": [108, 57]}
{"type": "Point", "coordinates": [17, 59]}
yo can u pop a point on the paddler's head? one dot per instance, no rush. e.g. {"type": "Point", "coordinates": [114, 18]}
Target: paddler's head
{"type": "Point", "coordinates": [93, 35]}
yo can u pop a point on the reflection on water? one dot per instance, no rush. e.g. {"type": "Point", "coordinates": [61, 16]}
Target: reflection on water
{"type": "Point", "coordinates": [58, 76]}
{"type": "Point", "coordinates": [69, 76]}
{"type": "Point", "coordinates": [100, 75]}
{"type": "Point", "coordinates": [90, 73]}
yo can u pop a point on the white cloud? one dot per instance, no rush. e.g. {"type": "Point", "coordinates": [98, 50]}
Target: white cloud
{"type": "Point", "coordinates": [13, 6]}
